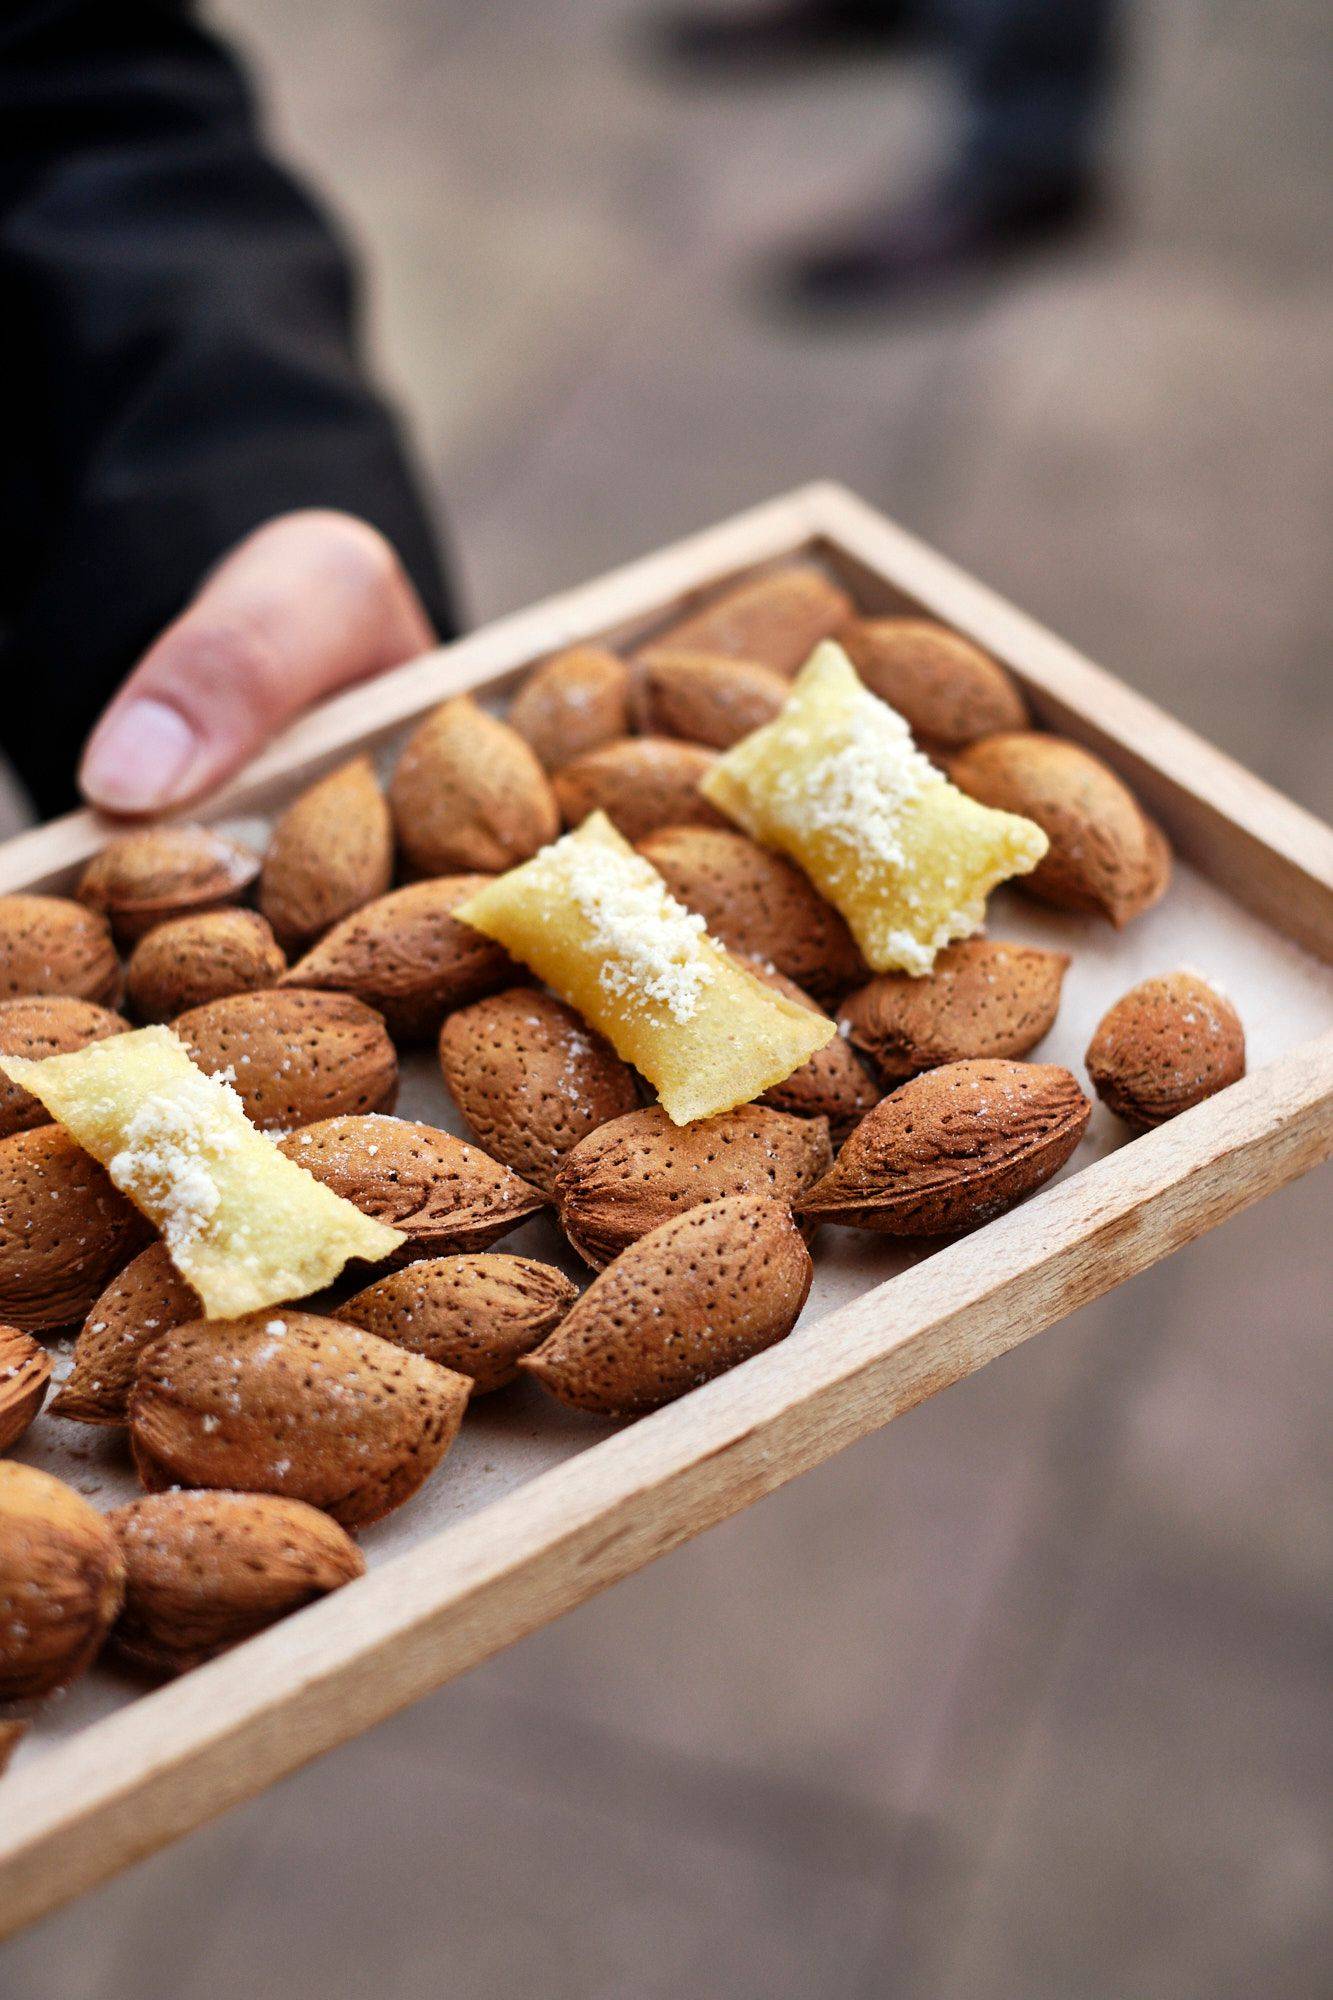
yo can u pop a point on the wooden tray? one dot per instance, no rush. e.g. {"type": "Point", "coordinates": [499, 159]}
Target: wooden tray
{"type": "Point", "coordinates": [537, 1508]}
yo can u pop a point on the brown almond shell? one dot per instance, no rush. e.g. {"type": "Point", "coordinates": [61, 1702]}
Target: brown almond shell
{"type": "Point", "coordinates": [640, 1170]}
{"type": "Point", "coordinates": [776, 618]}
{"type": "Point", "coordinates": [832, 1083]}
{"type": "Point", "coordinates": [141, 1303]}
{"type": "Point", "coordinates": [944, 686]}
{"type": "Point", "coordinates": [1164, 1046]}
{"type": "Point", "coordinates": [468, 794]}
{"type": "Point", "coordinates": [153, 873]}
{"type": "Point", "coordinates": [295, 1057]}
{"type": "Point", "coordinates": [642, 784]}
{"type": "Point", "coordinates": [531, 1079]}
{"type": "Point", "coordinates": [951, 1148]}
{"type": "Point", "coordinates": [408, 956]}
{"type": "Point", "coordinates": [291, 1403]}
{"type": "Point", "coordinates": [475, 1314]}
{"type": "Point", "coordinates": [62, 1578]}
{"type": "Point", "coordinates": [576, 701]}
{"type": "Point", "coordinates": [188, 961]}
{"type": "Point", "coordinates": [981, 998]}
{"type": "Point", "coordinates": [205, 1570]}
{"type": "Point", "coordinates": [25, 1371]}
{"type": "Point", "coordinates": [703, 697]}
{"type": "Point", "coordinates": [758, 904]}
{"type": "Point", "coordinates": [690, 1300]}
{"type": "Point", "coordinates": [64, 1229]}
{"type": "Point", "coordinates": [442, 1193]}
{"type": "Point", "coordinates": [37, 1027]}
{"type": "Point", "coordinates": [1106, 856]}
{"type": "Point", "coordinates": [50, 945]}
{"type": "Point", "coordinates": [330, 853]}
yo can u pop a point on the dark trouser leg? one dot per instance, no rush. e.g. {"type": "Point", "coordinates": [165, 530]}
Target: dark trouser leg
{"type": "Point", "coordinates": [1035, 76]}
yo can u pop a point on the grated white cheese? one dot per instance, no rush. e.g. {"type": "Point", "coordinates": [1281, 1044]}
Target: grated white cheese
{"type": "Point", "coordinates": [653, 948]}
{"type": "Point", "coordinates": [163, 1162]}
{"type": "Point", "coordinates": [857, 786]}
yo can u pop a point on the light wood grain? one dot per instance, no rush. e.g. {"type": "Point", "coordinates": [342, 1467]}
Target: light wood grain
{"type": "Point", "coordinates": [181, 1754]}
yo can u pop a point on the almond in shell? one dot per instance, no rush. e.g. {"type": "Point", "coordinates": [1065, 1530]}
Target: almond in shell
{"type": "Point", "coordinates": [293, 1404]}
{"type": "Point", "coordinates": [640, 1170]}
{"type": "Point", "coordinates": [531, 1079]}
{"type": "Point", "coordinates": [443, 1194]}
{"type": "Point", "coordinates": [143, 1301]}
{"type": "Point", "coordinates": [704, 697]}
{"type": "Point", "coordinates": [25, 1371]}
{"type": "Point", "coordinates": [295, 1057]}
{"type": "Point", "coordinates": [205, 1570]}
{"type": "Point", "coordinates": [575, 701]}
{"type": "Point", "coordinates": [1106, 856]}
{"type": "Point", "coordinates": [155, 872]}
{"type": "Point", "coordinates": [189, 961]}
{"type": "Point", "coordinates": [330, 852]}
{"type": "Point", "coordinates": [35, 1028]}
{"type": "Point", "coordinates": [760, 905]}
{"type": "Point", "coordinates": [981, 998]}
{"type": "Point", "coordinates": [1167, 1044]}
{"type": "Point", "coordinates": [62, 1579]}
{"type": "Point", "coordinates": [832, 1084]}
{"type": "Point", "coordinates": [693, 1298]}
{"type": "Point", "coordinates": [468, 794]}
{"type": "Point", "coordinates": [777, 618]}
{"type": "Point", "coordinates": [407, 955]}
{"type": "Point", "coordinates": [63, 1229]}
{"type": "Point", "coordinates": [952, 1148]}
{"type": "Point", "coordinates": [944, 686]}
{"type": "Point", "coordinates": [474, 1314]}
{"type": "Point", "coordinates": [641, 784]}
{"type": "Point", "coordinates": [50, 945]}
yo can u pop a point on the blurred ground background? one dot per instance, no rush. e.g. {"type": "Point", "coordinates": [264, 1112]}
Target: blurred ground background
{"type": "Point", "coordinates": [1025, 1699]}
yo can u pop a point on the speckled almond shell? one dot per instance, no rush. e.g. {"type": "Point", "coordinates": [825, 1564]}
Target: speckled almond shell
{"type": "Point", "coordinates": [760, 905]}
{"type": "Point", "coordinates": [63, 1229]}
{"type": "Point", "coordinates": [640, 1170]}
{"type": "Point", "coordinates": [641, 784]}
{"type": "Point", "coordinates": [189, 961]}
{"type": "Point", "coordinates": [832, 1084]}
{"type": "Point", "coordinates": [531, 1079]}
{"type": "Point", "coordinates": [777, 619]}
{"type": "Point", "coordinates": [575, 701]}
{"type": "Point", "coordinates": [330, 852]}
{"type": "Point", "coordinates": [25, 1371]}
{"type": "Point", "coordinates": [62, 1578]}
{"type": "Point", "coordinates": [947, 690]}
{"type": "Point", "coordinates": [155, 872]}
{"type": "Point", "coordinates": [294, 1404]}
{"type": "Point", "coordinates": [983, 998]}
{"type": "Point", "coordinates": [685, 1303]}
{"type": "Point", "coordinates": [1106, 856]}
{"type": "Point", "coordinates": [36, 1028]}
{"type": "Point", "coordinates": [1164, 1046]}
{"type": "Point", "coordinates": [407, 955]}
{"type": "Point", "coordinates": [952, 1148]}
{"type": "Point", "coordinates": [467, 793]}
{"type": "Point", "coordinates": [142, 1302]}
{"type": "Point", "coordinates": [704, 697]}
{"type": "Point", "coordinates": [204, 1570]}
{"type": "Point", "coordinates": [296, 1056]}
{"type": "Point", "coordinates": [475, 1314]}
{"type": "Point", "coordinates": [444, 1194]}
{"type": "Point", "coordinates": [52, 946]}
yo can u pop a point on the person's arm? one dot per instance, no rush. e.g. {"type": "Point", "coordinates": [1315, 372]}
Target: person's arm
{"type": "Point", "coordinates": [183, 367]}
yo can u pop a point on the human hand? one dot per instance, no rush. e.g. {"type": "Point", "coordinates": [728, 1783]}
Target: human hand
{"type": "Point", "coordinates": [307, 604]}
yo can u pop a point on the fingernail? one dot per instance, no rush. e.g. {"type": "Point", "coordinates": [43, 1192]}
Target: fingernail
{"type": "Point", "coordinates": [138, 758]}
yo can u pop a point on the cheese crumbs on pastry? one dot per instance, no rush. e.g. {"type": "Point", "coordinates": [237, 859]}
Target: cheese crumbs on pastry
{"type": "Point", "coordinates": [597, 922]}
{"type": "Point", "coordinates": [836, 782]}
{"type": "Point", "coordinates": [245, 1226]}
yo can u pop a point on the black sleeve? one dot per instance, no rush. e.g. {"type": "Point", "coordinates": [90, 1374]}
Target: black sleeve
{"type": "Point", "coordinates": [183, 360]}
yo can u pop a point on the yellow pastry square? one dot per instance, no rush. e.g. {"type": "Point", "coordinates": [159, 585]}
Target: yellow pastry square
{"type": "Point", "coordinates": [597, 923]}
{"type": "Point", "coordinates": [246, 1227]}
{"type": "Point", "coordinates": [836, 782]}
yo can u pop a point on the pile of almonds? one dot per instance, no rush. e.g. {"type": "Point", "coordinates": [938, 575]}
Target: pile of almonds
{"type": "Point", "coordinates": [264, 1444]}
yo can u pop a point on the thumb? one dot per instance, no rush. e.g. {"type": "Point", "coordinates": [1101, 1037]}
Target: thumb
{"type": "Point", "coordinates": [307, 604]}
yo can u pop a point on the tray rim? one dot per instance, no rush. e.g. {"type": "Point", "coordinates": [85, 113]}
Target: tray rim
{"type": "Point", "coordinates": [173, 1758]}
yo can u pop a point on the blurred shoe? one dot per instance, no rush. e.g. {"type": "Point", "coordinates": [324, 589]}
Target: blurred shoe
{"type": "Point", "coordinates": [952, 232]}
{"type": "Point", "coordinates": [777, 36]}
